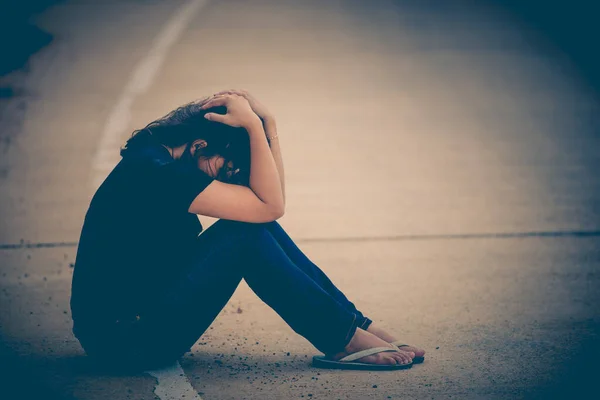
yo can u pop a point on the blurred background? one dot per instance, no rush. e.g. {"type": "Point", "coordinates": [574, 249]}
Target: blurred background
{"type": "Point", "coordinates": [442, 162]}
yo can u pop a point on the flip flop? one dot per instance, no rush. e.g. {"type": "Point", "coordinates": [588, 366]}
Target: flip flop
{"type": "Point", "coordinates": [348, 361]}
{"type": "Point", "coordinates": [416, 360]}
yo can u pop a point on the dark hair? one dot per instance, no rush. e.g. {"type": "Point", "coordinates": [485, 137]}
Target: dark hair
{"type": "Point", "coordinates": [187, 123]}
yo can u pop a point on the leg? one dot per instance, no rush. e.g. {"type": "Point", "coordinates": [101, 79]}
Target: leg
{"type": "Point", "coordinates": [312, 270]}
{"type": "Point", "coordinates": [303, 304]}
{"type": "Point", "coordinates": [298, 299]}
{"type": "Point", "coordinates": [176, 319]}
{"type": "Point", "coordinates": [229, 251]}
{"type": "Point", "coordinates": [309, 268]}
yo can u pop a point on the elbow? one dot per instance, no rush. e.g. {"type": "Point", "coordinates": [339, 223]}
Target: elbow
{"type": "Point", "coordinates": [278, 211]}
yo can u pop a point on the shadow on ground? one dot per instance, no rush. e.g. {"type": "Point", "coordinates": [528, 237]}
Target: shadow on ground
{"type": "Point", "coordinates": [19, 36]}
{"type": "Point", "coordinates": [579, 379]}
{"type": "Point", "coordinates": [19, 380]}
{"type": "Point", "coordinates": [571, 26]}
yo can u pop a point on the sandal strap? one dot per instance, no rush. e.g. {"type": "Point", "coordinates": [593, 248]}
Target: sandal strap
{"type": "Point", "coordinates": [367, 352]}
{"type": "Point", "coordinates": [399, 343]}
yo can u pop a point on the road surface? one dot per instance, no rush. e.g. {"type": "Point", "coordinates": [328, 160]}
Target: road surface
{"type": "Point", "coordinates": [442, 168]}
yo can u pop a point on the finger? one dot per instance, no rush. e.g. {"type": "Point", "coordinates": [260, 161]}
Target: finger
{"type": "Point", "coordinates": [245, 94]}
{"type": "Point", "coordinates": [223, 92]}
{"type": "Point", "coordinates": [226, 91]}
{"type": "Point", "coordinates": [215, 102]}
{"type": "Point", "coordinates": [238, 92]}
{"type": "Point", "coordinates": [216, 117]}
{"type": "Point", "coordinates": [205, 99]}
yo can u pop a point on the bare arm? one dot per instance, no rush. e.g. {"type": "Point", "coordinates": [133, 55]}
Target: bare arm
{"type": "Point", "coordinates": [264, 176]}
{"type": "Point", "coordinates": [271, 132]}
{"type": "Point", "coordinates": [263, 200]}
{"type": "Point", "coordinates": [270, 128]}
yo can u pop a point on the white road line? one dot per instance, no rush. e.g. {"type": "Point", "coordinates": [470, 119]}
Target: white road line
{"type": "Point", "coordinates": [172, 382]}
{"type": "Point", "coordinates": [113, 134]}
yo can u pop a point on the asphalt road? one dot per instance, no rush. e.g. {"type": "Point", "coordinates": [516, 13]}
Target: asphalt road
{"type": "Point", "coordinates": [442, 167]}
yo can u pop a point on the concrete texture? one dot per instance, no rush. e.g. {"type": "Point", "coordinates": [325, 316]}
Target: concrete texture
{"type": "Point", "coordinates": [441, 168]}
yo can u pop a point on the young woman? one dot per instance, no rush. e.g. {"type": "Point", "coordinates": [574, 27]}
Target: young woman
{"type": "Point", "coordinates": [146, 285]}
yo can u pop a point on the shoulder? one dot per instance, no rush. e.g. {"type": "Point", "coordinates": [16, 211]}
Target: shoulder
{"type": "Point", "coordinates": [135, 171]}
{"type": "Point", "coordinates": [150, 154]}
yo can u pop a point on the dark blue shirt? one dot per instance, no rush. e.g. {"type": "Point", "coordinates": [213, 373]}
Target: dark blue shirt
{"type": "Point", "coordinates": [137, 237]}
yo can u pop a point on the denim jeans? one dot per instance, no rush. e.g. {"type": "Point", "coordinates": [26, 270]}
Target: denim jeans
{"type": "Point", "coordinates": [227, 252]}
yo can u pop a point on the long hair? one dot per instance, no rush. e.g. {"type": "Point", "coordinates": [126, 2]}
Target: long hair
{"type": "Point", "coordinates": [187, 123]}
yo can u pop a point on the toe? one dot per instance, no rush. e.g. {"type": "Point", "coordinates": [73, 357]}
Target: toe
{"type": "Point", "coordinates": [409, 353]}
{"type": "Point", "coordinates": [411, 349]}
{"type": "Point", "coordinates": [402, 358]}
{"type": "Point", "coordinates": [389, 360]}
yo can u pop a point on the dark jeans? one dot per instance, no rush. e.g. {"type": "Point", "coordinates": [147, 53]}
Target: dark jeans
{"type": "Point", "coordinates": [229, 251]}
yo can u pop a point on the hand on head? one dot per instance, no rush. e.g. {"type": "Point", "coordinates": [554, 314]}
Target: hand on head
{"type": "Point", "coordinates": [239, 112]}
{"type": "Point", "coordinates": [256, 105]}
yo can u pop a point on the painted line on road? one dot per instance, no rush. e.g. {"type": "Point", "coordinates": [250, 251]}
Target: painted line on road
{"type": "Point", "coordinates": [111, 139]}
{"type": "Point", "coordinates": [172, 383]}
{"type": "Point", "coordinates": [506, 235]}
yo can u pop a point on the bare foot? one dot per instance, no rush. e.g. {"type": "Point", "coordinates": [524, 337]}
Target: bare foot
{"type": "Point", "coordinates": [363, 340]}
{"type": "Point", "coordinates": [384, 335]}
